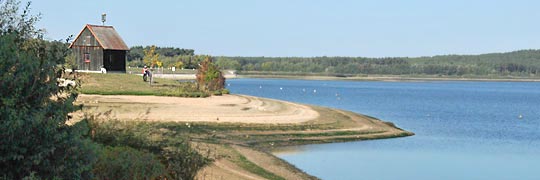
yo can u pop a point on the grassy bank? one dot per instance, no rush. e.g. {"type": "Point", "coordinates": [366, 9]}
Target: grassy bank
{"type": "Point", "coordinates": [126, 84]}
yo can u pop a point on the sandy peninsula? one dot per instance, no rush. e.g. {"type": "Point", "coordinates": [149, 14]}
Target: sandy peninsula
{"type": "Point", "coordinates": [241, 131]}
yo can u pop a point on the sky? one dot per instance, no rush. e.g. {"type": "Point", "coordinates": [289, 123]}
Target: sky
{"type": "Point", "coordinates": [366, 28]}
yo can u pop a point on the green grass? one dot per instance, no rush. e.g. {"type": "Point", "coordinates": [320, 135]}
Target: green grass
{"type": "Point", "coordinates": [127, 84]}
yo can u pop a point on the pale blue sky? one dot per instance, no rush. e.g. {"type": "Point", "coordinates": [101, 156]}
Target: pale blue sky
{"type": "Point", "coordinates": [374, 28]}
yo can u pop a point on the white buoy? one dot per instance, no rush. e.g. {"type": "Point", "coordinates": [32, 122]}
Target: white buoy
{"type": "Point", "coordinates": [280, 88]}
{"type": "Point", "coordinates": [520, 116]}
{"type": "Point", "coordinates": [314, 91]}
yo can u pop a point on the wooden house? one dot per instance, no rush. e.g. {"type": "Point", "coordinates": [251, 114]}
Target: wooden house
{"type": "Point", "coordinates": [99, 47]}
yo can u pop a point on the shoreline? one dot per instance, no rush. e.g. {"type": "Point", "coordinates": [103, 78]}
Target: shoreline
{"type": "Point", "coordinates": [390, 78]}
{"type": "Point", "coordinates": [242, 150]}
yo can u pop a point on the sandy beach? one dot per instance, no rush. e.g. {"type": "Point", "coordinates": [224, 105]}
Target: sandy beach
{"type": "Point", "coordinates": [219, 109]}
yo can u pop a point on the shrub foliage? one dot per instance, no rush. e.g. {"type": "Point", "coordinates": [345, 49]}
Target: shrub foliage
{"type": "Point", "coordinates": [209, 77]}
{"type": "Point", "coordinates": [125, 163]}
{"type": "Point", "coordinates": [170, 146]}
{"type": "Point", "coordinates": [35, 140]}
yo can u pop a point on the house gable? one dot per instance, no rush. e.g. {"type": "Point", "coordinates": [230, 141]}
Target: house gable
{"type": "Point", "coordinates": [85, 38]}
{"type": "Point", "coordinates": [105, 37]}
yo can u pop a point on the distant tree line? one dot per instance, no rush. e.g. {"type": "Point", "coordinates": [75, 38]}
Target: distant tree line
{"type": "Point", "coordinates": [137, 52]}
{"type": "Point", "coordinates": [166, 56]}
{"type": "Point", "coordinates": [517, 63]}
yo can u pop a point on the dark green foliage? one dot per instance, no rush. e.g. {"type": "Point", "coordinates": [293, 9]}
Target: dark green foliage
{"type": "Point", "coordinates": [35, 140]}
{"type": "Point", "coordinates": [227, 63]}
{"type": "Point", "coordinates": [225, 91]}
{"type": "Point", "coordinates": [525, 63]}
{"type": "Point", "coordinates": [168, 55]}
{"type": "Point", "coordinates": [137, 52]}
{"type": "Point", "coordinates": [171, 52]}
{"type": "Point", "coordinates": [182, 162]}
{"type": "Point", "coordinates": [127, 163]}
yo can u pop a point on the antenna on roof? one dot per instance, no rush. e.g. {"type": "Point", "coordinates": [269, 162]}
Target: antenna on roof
{"type": "Point", "coordinates": [103, 18]}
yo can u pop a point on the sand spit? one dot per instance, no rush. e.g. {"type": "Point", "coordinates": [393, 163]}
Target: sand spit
{"type": "Point", "coordinates": [226, 108]}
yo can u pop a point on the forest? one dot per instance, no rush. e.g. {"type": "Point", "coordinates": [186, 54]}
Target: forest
{"type": "Point", "coordinates": [167, 57]}
{"type": "Point", "coordinates": [517, 63]}
{"type": "Point", "coordinates": [522, 63]}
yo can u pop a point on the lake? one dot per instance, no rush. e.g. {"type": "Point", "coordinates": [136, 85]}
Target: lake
{"type": "Point", "coordinates": [464, 130]}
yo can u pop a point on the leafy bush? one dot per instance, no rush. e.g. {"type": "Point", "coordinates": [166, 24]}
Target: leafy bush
{"type": "Point", "coordinates": [209, 77]}
{"type": "Point", "coordinates": [170, 147]}
{"type": "Point", "coordinates": [225, 91]}
{"type": "Point", "coordinates": [217, 93]}
{"type": "Point", "coordinates": [36, 142]}
{"type": "Point", "coordinates": [221, 92]}
{"type": "Point", "coordinates": [127, 163]}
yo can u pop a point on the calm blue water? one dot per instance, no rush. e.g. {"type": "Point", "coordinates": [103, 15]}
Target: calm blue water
{"type": "Point", "coordinates": [464, 130]}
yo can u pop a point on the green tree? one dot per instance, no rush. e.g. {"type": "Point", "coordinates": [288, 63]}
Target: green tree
{"type": "Point", "coordinates": [135, 53]}
{"type": "Point", "coordinates": [35, 139]}
{"type": "Point", "coordinates": [227, 63]}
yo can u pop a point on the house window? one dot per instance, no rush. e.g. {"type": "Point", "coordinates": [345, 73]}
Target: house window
{"type": "Point", "coordinates": [87, 57]}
